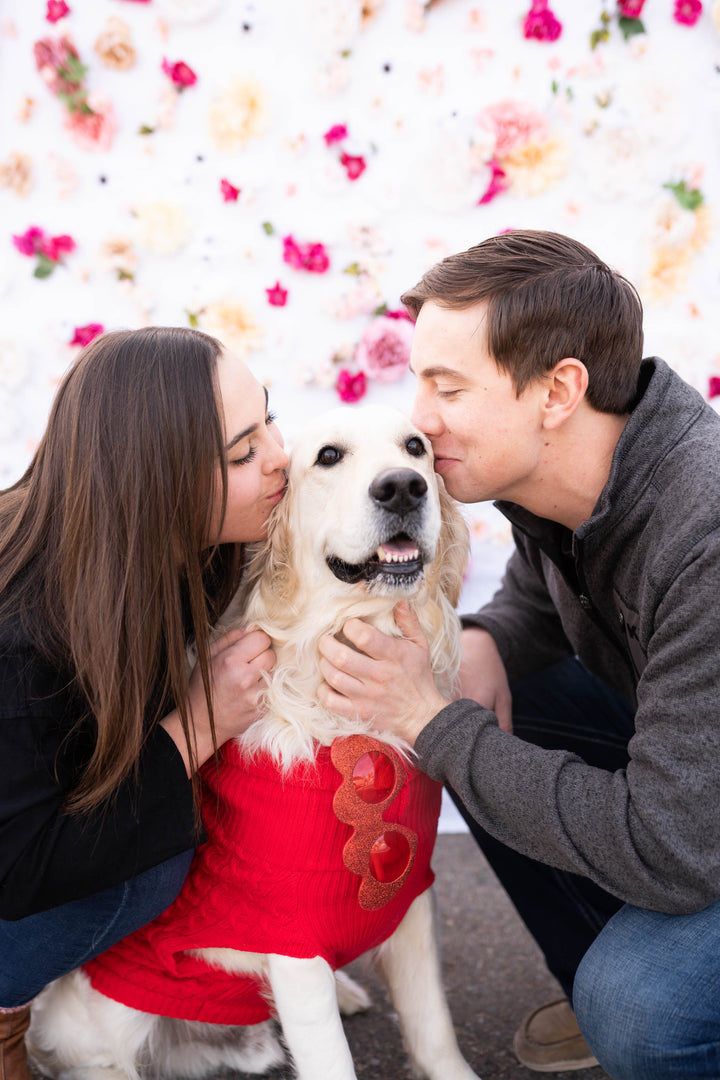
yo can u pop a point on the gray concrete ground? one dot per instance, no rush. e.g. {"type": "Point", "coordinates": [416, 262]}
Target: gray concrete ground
{"type": "Point", "coordinates": [494, 975]}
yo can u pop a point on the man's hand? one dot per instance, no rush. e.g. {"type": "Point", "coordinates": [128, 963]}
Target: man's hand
{"type": "Point", "coordinates": [482, 675]}
{"type": "Point", "coordinates": [388, 683]}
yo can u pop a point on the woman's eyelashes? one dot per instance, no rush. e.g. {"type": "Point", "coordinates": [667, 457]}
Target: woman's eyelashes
{"type": "Point", "coordinates": [270, 418]}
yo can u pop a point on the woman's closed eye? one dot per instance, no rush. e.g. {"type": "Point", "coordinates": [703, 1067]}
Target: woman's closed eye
{"type": "Point", "coordinates": [270, 419]}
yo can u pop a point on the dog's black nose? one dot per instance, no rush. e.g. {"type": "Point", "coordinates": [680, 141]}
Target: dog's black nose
{"type": "Point", "coordinates": [398, 490]}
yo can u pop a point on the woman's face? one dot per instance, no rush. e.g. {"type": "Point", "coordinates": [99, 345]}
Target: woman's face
{"type": "Point", "coordinates": [255, 456]}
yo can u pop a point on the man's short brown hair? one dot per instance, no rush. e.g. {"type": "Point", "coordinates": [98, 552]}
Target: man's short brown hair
{"type": "Point", "coordinates": [548, 297]}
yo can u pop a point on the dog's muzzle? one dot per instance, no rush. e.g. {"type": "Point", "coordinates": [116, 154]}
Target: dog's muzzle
{"type": "Point", "coordinates": [398, 561]}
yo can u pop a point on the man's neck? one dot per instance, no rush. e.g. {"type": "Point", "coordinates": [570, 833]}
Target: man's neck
{"type": "Point", "coordinates": [575, 467]}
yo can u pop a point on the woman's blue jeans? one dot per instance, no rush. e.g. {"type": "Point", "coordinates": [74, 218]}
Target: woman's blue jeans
{"type": "Point", "coordinates": [42, 947]}
{"type": "Point", "coordinates": [645, 986]}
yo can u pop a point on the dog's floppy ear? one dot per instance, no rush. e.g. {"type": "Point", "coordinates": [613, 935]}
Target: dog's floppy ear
{"type": "Point", "coordinates": [451, 561]}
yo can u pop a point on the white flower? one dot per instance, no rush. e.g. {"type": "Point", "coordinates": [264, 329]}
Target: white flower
{"type": "Point", "coordinates": [672, 225]}
{"type": "Point", "coordinates": [238, 114]}
{"type": "Point", "coordinates": [162, 227]}
{"type": "Point", "coordinates": [443, 172]}
{"type": "Point", "coordinates": [189, 11]}
{"type": "Point", "coordinates": [334, 24]}
{"type": "Point", "coordinates": [14, 364]}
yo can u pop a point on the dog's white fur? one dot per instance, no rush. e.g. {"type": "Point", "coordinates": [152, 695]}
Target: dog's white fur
{"type": "Point", "coordinates": [292, 594]}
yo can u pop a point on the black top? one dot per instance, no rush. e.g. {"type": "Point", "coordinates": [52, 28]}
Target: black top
{"type": "Point", "coordinates": [48, 857]}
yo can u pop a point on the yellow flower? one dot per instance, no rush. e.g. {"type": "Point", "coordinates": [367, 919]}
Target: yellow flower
{"type": "Point", "coordinates": [162, 228]}
{"type": "Point", "coordinates": [668, 273]}
{"type": "Point", "coordinates": [17, 174]}
{"type": "Point", "coordinates": [536, 165]}
{"type": "Point", "coordinates": [233, 324]}
{"type": "Point", "coordinates": [238, 114]}
{"type": "Point", "coordinates": [114, 46]}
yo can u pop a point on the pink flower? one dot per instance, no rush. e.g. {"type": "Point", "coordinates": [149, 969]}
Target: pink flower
{"type": "Point", "coordinates": [229, 192]}
{"type": "Point", "coordinates": [54, 247]}
{"type": "Point", "coordinates": [383, 351]}
{"type": "Point", "coordinates": [631, 9]}
{"type": "Point", "coordinates": [94, 126]}
{"type": "Point", "coordinates": [687, 12]}
{"type": "Point", "coordinates": [59, 65]}
{"type": "Point", "coordinates": [398, 313]}
{"type": "Point", "coordinates": [714, 386]}
{"type": "Point", "coordinates": [180, 73]}
{"type": "Point", "coordinates": [498, 183]}
{"type": "Point", "coordinates": [84, 334]}
{"type": "Point", "coordinates": [277, 296]}
{"type": "Point", "coordinates": [30, 242]}
{"type": "Point", "coordinates": [351, 387]}
{"type": "Point", "coordinates": [56, 10]}
{"type": "Point", "coordinates": [512, 123]}
{"type": "Point", "coordinates": [335, 134]}
{"type": "Point", "coordinates": [354, 166]}
{"type": "Point", "coordinates": [311, 257]}
{"type": "Point", "coordinates": [540, 23]}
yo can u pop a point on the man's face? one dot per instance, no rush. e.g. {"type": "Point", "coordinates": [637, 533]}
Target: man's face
{"type": "Point", "coordinates": [488, 443]}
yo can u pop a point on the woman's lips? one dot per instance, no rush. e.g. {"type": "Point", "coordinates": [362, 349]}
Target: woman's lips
{"type": "Point", "coordinates": [277, 495]}
{"type": "Point", "coordinates": [442, 464]}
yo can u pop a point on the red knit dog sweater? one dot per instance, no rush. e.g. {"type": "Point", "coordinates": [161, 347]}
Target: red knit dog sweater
{"type": "Point", "coordinates": [271, 878]}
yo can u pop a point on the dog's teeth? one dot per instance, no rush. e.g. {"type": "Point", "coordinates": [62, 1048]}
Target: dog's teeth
{"type": "Point", "coordinates": [396, 557]}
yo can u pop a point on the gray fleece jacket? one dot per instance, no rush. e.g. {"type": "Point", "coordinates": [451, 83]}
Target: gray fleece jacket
{"type": "Point", "coordinates": [634, 592]}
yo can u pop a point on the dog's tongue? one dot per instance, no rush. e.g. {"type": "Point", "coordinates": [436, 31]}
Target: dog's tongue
{"type": "Point", "coordinates": [397, 549]}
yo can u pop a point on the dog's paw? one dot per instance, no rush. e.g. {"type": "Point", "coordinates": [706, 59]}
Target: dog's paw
{"type": "Point", "coordinates": [352, 998]}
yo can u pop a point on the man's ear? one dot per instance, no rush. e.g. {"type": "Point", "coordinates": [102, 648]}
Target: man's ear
{"type": "Point", "coordinates": [565, 387]}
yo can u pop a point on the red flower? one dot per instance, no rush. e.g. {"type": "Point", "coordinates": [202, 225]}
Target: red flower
{"type": "Point", "coordinates": [54, 247]}
{"type": "Point", "coordinates": [56, 10]}
{"type": "Point", "coordinates": [498, 183]}
{"type": "Point", "coordinates": [180, 73]}
{"type": "Point", "coordinates": [351, 387]}
{"type": "Point", "coordinates": [631, 9]}
{"type": "Point", "coordinates": [277, 296]}
{"type": "Point", "coordinates": [311, 257]}
{"type": "Point", "coordinates": [30, 241]}
{"type": "Point", "coordinates": [398, 313]}
{"type": "Point", "coordinates": [540, 23]}
{"type": "Point", "coordinates": [714, 386]}
{"type": "Point", "coordinates": [229, 193]}
{"type": "Point", "coordinates": [354, 166]}
{"type": "Point", "coordinates": [84, 334]}
{"type": "Point", "coordinates": [335, 134]}
{"type": "Point", "coordinates": [687, 12]}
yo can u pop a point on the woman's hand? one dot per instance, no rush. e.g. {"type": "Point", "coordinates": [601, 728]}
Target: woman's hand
{"type": "Point", "coordinates": [239, 662]}
{"type": "Point", "coordinates": [388, 682]}
{"type": "Point", "coordinates": [482, 675]}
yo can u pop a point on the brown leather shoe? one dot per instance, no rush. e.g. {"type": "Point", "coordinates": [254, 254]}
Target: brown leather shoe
{"type": "Point", "coordinates": [549, 1040]}
{"type": "Point", "coordinates": [13, 1058]}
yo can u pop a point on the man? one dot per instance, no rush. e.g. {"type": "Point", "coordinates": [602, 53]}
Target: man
{"type": "Point", "coordinates": [585, 750]}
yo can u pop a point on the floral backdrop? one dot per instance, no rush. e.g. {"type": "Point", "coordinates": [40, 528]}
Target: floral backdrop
{"type": "Point", "coordinates": [277, 172]}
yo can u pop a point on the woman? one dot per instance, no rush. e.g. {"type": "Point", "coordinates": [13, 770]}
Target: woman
{"type": "Point", "coordinates": [121, 544]}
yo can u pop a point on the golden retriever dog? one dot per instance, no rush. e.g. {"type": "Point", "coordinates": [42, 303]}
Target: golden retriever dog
{"type": "Point", "coordinates": [320, 829]}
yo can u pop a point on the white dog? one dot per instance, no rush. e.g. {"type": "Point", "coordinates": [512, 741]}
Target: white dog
{"type": "Point", "coordinates": [321, 869]}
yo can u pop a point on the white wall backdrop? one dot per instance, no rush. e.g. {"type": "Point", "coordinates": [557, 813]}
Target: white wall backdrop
{"type": "Point", "coordinates": [325, 153]}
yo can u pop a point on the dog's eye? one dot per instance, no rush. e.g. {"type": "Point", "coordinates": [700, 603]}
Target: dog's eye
{"type": "Point", "coordinates": [329, 455]}
{"type": "Point", "coordinates": [415, 446]}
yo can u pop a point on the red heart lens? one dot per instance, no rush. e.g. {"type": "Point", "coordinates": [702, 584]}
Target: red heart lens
{"type": "Point", "coordinates": [389, 856]}
{"type": "Point", "coordinates": [373, 779]}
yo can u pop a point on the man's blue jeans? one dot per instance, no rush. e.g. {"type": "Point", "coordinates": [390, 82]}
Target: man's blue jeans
{"type": "Point", "coordinates": [645, 987]}
{"type": "Point", "coordinates": [40, 948]}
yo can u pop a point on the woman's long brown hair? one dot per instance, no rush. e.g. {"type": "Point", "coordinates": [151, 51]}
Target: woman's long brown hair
{"type": "Point", "coordinates": [103, 541]}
